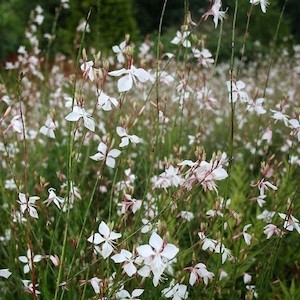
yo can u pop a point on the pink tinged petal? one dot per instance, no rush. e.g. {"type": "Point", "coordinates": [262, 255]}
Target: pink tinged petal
{"type": "Point", "coordinates": [156, 241]}
{"type": "Point", "coordinates": [145, 251]}
{"type": "Point", "coordinates": [104, 229]}
{"type": "Point", "coordinates": [114, 153]}
{"type": "Point", "coordinates": [89, 123]}
{"type": "Point", "coordinates": [96, 239]}
{"type": "Point", "coordinates": [169, 251]}
{"type": "Point", "coordinates": [98, 156]}
{"type": "Point", "coordinates": [141, 74]}
{"type": "Point", "coordinates": [193, 278]}
{"type": "Point", "coordinates": [125, 83]}
{"type": "Point", "coordinates": [107, 249]}
{"type": "Point", "coordinates": [110, 162]}
{"type": "Point", "coordinates": [130, 269]}
{"type": "Point", "coordinates": [5, 273]}
{"type": "Point", "coordinates": [118, 72]}
{"type": "Point", "coordinates": [240, 85]}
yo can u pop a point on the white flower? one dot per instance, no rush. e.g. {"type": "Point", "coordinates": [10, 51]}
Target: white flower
{"type": "Point", "coordinates": [204, 57]}
{"type": "Point", "coordinates": [5, 273]}
{"type": "Point", "coordinates": [247, 278]}
{"type": "Point", "coordinates": [216, 13]}
{"type": "Point", "coordinates": [290, 222]}
{"type": "Point", "coordinates": [27, 260]}
{"type": "Point", "coordinates": [58, 201]}
{"type": "Point", "coordinates": [263, 4]}
{"type": "Point", "coordinates": [256, 105]}
{"type": "Point", "coordinates": [106, 237]}
{"type": "Point", "coordinates": [96, 284]}
{"type": "Point", "coordinates": [132, 75]}
{"type": "Point", "coordinates": [247, 236]}
{"type": "Point", "coordinates": [237, 93]}
{"type": "Point", "coordinates": [220, 248]}
{"type": "Point", "coordinates": [130, 203]}
{"type": "Point", "coordinates": [107, 155]}
{"type": "Point", "coordinates": [28, 204]}
{"type": "Point", "coordinates": [106, 102]}
{"type": "Point", "coordinates": [181, 38]}
{"type": "Point", "coordinates": [126, 138]}
{"type": "Point", "coordinates": [119, 50]}
{"type": "Point", "coordinates": [168, 178]}
{"type": "Point", "coordinates": [88, 70]}
{"type": "Point", "coordinates": [271, 229]}
{"type": "Point", "coordinates": [28, 287]}
{"type": "Point", "coordinates": [79, 112]}
{"type": "Point", "coordinates": [156, 255]}
{"type": "Point", "coordinates": [295, 125]}
{"type": "Point", "coordinates": [175, 291]}
{"type": "Point", "coordinates": [125, 257]}
{"type": "Point", "coordinates": [48, 128]}
{"type": "Point", "coordinates": [187, 215]}
{"type": "Point", "coordinates": [199, 271]}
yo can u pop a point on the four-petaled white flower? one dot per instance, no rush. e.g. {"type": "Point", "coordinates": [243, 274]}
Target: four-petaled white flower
{"type": "Point", "coordinates": [106, 102]}
{"type": "Point", "coordinates": [156, 256]}
{"type": "Point", "coordinates": [271, 229]}
{"type": "Point", "coordinates": [48, 128]}
{"type": "Point", "coordinates": [96, 284]}
{"type": "Point", "coordinates": [28, 287]}
{"type": "Point", "coordinates": [28, 204]}
{"type": "Point", "coordinates": [125, 257]}
{"type": "Point", "coordinates": [235, 91]}
{"type": "Point", "coordinates": [78, 113]}
{"type": "Point", "coordinates": [175, 291]}
{"type": "Point", "coordinates": [107, 155]}
{"type": "Point", "coordinates": [199, 271]}
{"type": "Point", "coordinates": [126, 138]}
{"type": "Point", "coordinates": [257, 106]}
{"type": "Point", "coordinates": [125, 295]}
{"type": "Point", "coordinates": [130, 203]}
{"type": "Point", "coordinates": [106, 237]}
{"type": "Point", "coordinates": [58, 201]}
{"type": "Point", "coordinates": [88, 70]}
{"type": "Point", "coordinates": [182, 38]}
{"type": "Point", "coordinates": [216, 13]}
{"type": "Point", "coordinates": [290, 222]}
{"type": "Point", "coordinates": [132, 75]}
{"type": "Point", "coordinates": [168, 178]}
{"type": "Point", "coordinates": [28, 260]}
{"type": "Point", "coordinates": [119, 51]}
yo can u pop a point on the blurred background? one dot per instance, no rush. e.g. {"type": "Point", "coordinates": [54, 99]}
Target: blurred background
{"type": "Point", "coordinates": [110, 20]}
